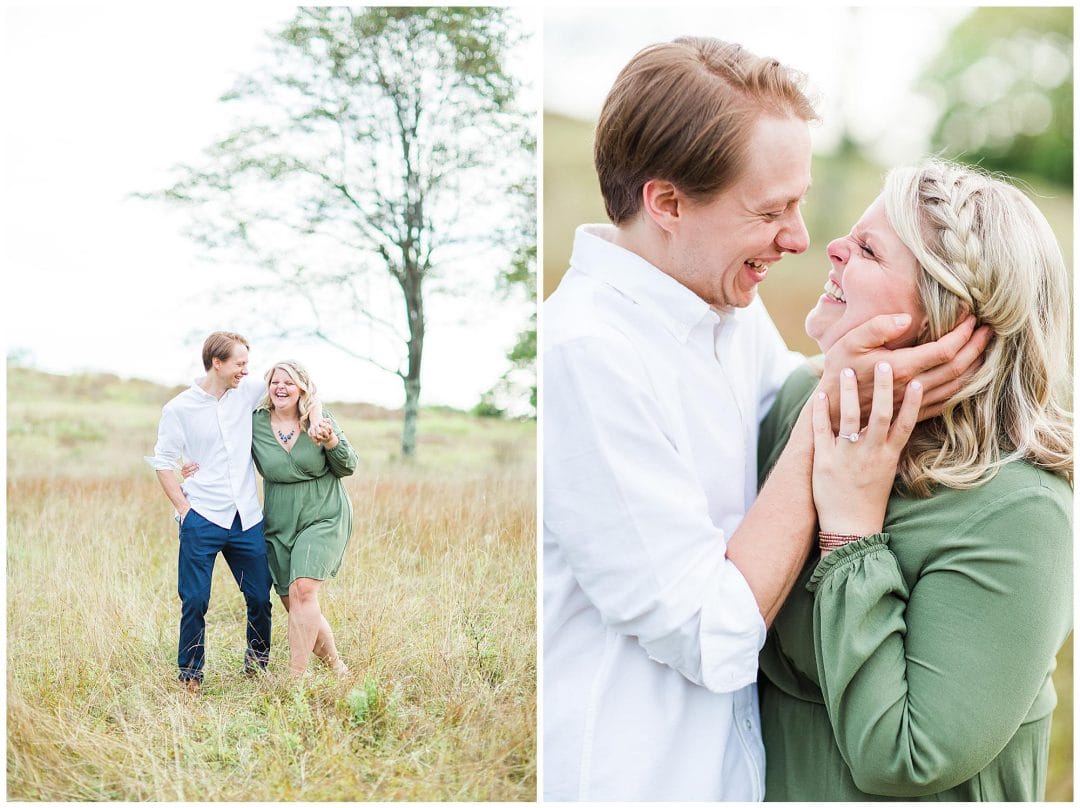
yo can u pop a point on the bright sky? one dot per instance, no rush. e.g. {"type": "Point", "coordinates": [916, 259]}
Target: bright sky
{"type": "Point", "coordinates": [860, 60]}
{"type": "Point", "coordinates": [102, 102]}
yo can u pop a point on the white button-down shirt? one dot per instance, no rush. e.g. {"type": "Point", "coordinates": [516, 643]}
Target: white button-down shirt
{"type": "Point", "coordinates": [651, 406]}
{"type": "Point", "coordinates": [215, 433]}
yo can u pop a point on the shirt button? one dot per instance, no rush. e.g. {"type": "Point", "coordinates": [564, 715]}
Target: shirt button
{"type": "Point", "coordinates": [749, 725]}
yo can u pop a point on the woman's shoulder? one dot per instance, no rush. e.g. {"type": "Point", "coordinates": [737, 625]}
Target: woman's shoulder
{"type": "Point", "coordinates": [797, 387]}
{"type": "Point", "coordinates": [800, 382]}
{"type": "Point", "coordinates": [1016, 481]}
{"type": "Point", "coordinates": [1022, 504]}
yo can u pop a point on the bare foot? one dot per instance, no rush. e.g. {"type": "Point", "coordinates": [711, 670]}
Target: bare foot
{"type": "Point", "coordinates": [336, 665]}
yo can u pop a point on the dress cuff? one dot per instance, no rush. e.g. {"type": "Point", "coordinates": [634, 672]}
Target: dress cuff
{"type": "Point", "coordinates": [844, 555]}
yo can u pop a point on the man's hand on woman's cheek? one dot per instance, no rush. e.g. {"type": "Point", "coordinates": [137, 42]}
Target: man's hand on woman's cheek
{"type": "Point", "coordinates": [942, 366]}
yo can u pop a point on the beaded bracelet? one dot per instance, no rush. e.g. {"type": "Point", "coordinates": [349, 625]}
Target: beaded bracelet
{"type": "Point", "coordinates": [832, 541]}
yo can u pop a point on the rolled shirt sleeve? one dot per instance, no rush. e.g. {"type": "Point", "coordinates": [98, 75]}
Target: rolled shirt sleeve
{"type": "Point", "coordinates": [169, 449]}
{"type": "Point", "coordinates": [633, 521]}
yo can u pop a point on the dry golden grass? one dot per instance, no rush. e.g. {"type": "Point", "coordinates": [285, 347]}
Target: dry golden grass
{"type": "Point", "coordinates": [434, 610]}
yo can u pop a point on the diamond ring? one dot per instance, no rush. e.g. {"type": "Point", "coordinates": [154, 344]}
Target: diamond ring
{"type": "Point", "coordinates": [854, 436]}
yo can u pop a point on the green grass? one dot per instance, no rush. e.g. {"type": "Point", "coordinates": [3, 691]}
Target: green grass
{"type": "Point", "coordinates": [433, 610]}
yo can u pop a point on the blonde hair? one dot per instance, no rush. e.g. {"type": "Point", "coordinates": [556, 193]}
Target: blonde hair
{"type": "Point", "coordinates": [303, 380]}
{"type": "Point", "coordinates": [682, 111]}
{"type": "Point", "coordinates": [985, 248]}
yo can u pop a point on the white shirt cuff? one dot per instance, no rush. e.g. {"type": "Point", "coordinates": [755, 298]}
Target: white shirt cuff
{"type": "Point", "coordinates": [732, 635]}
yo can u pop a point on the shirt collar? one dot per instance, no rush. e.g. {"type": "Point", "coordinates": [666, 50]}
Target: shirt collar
{"type": "Point", "coordinates": [196, 387]}
{"type": "Point", "coordinates": [677, 308]}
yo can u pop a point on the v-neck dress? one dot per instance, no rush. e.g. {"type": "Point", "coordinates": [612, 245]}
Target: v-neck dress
{"type": "Point", "coordinates": [308, 516]}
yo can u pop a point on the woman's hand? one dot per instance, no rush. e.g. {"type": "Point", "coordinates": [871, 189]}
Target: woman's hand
{"type": "Point", "coordinates": [188, 469]}
{"type": "Point", "coordinates": [853, 476]}
{"type": "Point", "coordinates": [323, 434]}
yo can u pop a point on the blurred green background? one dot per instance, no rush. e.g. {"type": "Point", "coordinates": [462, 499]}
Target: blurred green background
{"type": "Point", "coordinates": [997, 91]}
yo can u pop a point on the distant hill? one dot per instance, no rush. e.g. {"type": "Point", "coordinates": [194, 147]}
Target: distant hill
{"type": "Point", "coordinates": [28, 383]}
{"type": "Point", "coordinates": [102, 425]}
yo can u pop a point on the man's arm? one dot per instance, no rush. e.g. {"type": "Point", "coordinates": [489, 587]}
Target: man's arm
{"type": "Point", "coordinates": [774, 539]}
{"type": "Point", "coordinates": [167, 478]}
{"type": "Point", "coordinates": [630, 516]}
{"type": "Point", "coordinates": [167, 454]}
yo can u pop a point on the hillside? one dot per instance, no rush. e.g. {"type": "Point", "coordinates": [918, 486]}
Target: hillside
{"type": "Point", "coordinates": [100, 424]}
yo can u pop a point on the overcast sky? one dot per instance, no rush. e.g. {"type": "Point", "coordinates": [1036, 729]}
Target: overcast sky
{"type": "Point", "coordinates": [102, 102]}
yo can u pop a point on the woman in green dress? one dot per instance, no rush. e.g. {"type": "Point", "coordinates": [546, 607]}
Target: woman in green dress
{"type": "Point", "coordinates": [913, 657]}
{"type": "Point", "coordinates": [308, 516]}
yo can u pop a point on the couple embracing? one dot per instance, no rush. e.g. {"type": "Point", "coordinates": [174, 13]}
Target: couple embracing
{"type": "Point", "coordinates": [224, 425]}
{"type": "Point", "coordinates": [768, 577]}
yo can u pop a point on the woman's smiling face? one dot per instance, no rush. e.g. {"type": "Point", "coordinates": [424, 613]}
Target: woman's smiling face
{"type": "Point", "coordinates": [872, 273]}
{"type": "Point", "coordinates": [283, 389]}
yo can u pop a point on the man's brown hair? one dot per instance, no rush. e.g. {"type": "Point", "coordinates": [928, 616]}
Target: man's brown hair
{"type": "Point", "coordinates": [683, 111]}
{"type": "Point", "coordinates": [219, 345]}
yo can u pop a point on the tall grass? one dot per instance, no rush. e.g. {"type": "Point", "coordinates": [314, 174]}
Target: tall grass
{"type": "Point", "coordinates": [433, 611]}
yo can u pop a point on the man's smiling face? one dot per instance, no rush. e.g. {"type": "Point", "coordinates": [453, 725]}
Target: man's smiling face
{"type": "Point", "coordinates": [724, 246]}
{"type": "Point", "coordinates": [234, 369]}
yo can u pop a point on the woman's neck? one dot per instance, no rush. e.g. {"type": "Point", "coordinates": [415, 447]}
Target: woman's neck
{"type": "Point", "coordinates": [285, 414]}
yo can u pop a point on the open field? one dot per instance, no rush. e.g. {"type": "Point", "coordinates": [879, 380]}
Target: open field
{"type": "Point", "coordinates": [842, 189]}
{"type": "Point", "coordinates": [434, 611]}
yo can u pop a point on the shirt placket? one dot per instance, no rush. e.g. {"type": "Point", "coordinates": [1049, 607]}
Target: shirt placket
{"type": "Point", "coordinates": [227, 441]}
{"type": "Point", "coordinates": [724, 328]}
{"type": "Point", "coordinates": [746, 725]}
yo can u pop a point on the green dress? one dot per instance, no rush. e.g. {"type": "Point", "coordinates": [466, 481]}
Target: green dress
{"type": "Point", "coordinates": [307, 514]}
{"type": "Point", "coordinates": [915, 663]}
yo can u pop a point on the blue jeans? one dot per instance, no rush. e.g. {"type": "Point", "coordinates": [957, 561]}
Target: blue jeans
{"type": "Point", "coordinates": [245, 553]}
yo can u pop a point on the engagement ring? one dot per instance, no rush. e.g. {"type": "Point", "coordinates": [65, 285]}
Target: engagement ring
{"type": "Point", "coordinates": [854, 436]}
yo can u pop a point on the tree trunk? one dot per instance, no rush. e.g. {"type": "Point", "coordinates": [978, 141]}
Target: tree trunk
{"type": "Point", "coordinates": [412, 408]}
{"type": "Point", "coordinates": [414, 306]}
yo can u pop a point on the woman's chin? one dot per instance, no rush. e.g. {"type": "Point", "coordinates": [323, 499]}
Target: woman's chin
{"type": "Point", "coordinates": [818, 328]}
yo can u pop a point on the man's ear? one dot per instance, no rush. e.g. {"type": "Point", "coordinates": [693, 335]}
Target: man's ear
{"type": "Point", "coordinates": [663, 204]}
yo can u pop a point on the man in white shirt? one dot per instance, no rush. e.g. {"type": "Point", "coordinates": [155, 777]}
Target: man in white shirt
{"type": "Point", "coordinates": [218, 508]}
{"type": "Point", "coordinates": [662, 564]}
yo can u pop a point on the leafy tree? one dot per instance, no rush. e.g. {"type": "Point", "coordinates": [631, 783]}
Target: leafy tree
{"type": "Point", "coordinates": [1004, 80]}
{"type": "Point", "coordinates": [373, 154]}
{"type": "Point", "coordinates": [519, 277]}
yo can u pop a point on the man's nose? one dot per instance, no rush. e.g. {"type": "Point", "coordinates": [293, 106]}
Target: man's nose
{"type": "Point", "coordinates": [794, 238]}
